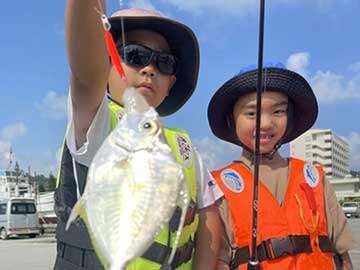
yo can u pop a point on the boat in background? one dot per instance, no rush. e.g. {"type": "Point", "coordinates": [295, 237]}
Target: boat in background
{"type": "Point", "coordinates": [17, 185]}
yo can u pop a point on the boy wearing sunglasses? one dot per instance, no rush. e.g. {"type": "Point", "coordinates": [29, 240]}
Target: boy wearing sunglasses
{"type": "Point", "coordinates": [161, 60]}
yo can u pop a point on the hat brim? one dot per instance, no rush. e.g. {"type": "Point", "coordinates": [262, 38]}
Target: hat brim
{"type": "Point", "coordinates": [299, 92]}
{"type": "Point", "coordinates": [184, 46]}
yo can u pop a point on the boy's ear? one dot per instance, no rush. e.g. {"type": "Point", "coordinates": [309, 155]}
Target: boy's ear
{"type": "Point", "coordinates": [172, 82]}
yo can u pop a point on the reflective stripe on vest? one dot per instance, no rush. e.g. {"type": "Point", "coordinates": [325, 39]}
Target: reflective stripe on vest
{"type": "Point", "coordinates": [180, 144]}
{"type": "Point", "coordinates": [300, 220]}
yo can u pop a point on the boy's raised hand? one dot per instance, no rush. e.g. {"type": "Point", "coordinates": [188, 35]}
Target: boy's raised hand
{"type": "Point", "coordinates": [88, 60]}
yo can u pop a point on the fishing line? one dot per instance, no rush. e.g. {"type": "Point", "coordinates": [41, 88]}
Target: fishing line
{"type": "Point", "coordinates": [253, 263]}
{"type": "Point", "coordinates": [111, 45]}
{"type": "Point", "coordinates": [123, 41]}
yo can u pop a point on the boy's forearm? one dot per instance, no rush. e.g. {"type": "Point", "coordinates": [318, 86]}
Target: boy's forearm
{"type": "Point", "coordinates": [88, 60]}
{"type": "Point", "coordinates": [207, 239]}
{"type": "Point", "coordinates": [86, 48]}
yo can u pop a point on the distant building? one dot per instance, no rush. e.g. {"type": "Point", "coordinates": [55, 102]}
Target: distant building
{"type": "Point", "coordinates": [324, 147]}
{"type": "Point", "coordinates": [346, 188]}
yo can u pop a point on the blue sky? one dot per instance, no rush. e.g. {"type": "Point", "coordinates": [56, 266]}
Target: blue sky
{"type": "Point", "coordinates": [318, 38]}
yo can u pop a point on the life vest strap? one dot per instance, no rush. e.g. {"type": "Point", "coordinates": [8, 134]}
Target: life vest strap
{"type": "Point", "coordinates": [160, 253]}
{"type": "Point", "coordinates": [76, 257]}
{"type": "Point", "coordinates": [189, 218]}
{"type": "Point", "coordinates": [326, 245]}
{"type": "Point", "coordinates": [273, 248]}
{"type": "Point", "coordinates": [83, 258]}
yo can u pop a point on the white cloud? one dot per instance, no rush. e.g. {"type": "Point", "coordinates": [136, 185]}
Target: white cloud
{"type": "Point", "coordinates": [44, 163]}
{"type": "Point", "coordinates": [11, 132]}
{"type": "Point", "coordinates": [242, 7]}
{"type": "Point", "coordinates": [234, 7]}
{"type": "Point", "coordinates": [53, 106]}
{"type": "Point", "coordinates": [355, 67]}
{"type": "Point", "coordinates": [215, 153]}
{"type": "Point", "coordinates": [4, 154]}
{"type": "Point", "coordinates": [331, 87]}
{"type": "Point", "coordinates": [354, 141]}
{"type": "Point", "coordinates": [299, 62]}
{"type": "Point", "coordinates": [144, 4]}
{"type": "Point", "coordinates": [328, 86]}
{"type": "Point", "coordinates": [7, 136]}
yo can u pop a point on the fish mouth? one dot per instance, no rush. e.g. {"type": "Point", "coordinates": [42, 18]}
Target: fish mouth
{"type": "Point", "coordinates": [135, 149]}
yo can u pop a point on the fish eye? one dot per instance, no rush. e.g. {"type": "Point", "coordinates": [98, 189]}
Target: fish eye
{"type": "Point", "coordinates": [147, 125]}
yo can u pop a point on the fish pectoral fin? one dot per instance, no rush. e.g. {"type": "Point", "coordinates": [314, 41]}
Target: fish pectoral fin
{"type": "Point", "coordinates": [77, 211]}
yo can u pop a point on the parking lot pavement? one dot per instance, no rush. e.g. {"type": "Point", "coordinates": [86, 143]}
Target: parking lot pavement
{"type": "Point", "coordinates": [30, 254]}
{"type": "Point", "coordinates": [355, 254]}
{"type": "Point", "coordinates": [355, 258]}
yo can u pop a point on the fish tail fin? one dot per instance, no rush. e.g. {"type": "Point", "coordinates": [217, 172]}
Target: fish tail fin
{"type": "Point", "coordinates": [118, 266]}
{"type": "Point", "coordinates": [77, 210]}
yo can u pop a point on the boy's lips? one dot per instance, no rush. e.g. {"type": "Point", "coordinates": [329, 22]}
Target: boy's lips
{"type": "Point", "coordinates": [146, 87]}
{"type": "Point", "coordinates": [265, 138]}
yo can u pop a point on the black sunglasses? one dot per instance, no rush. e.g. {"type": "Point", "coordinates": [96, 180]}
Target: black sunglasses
{"type": "Point", "coordinates": [140, 56]}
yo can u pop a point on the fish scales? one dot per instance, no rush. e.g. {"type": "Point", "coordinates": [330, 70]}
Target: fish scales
{"type": "Point", "coordinates": [133, 186]}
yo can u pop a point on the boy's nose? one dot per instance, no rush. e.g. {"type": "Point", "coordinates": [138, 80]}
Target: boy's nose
{"type": "Point", "coordinates": [266, 121]}
{"type": "Point", "coordinates": [149, 71]}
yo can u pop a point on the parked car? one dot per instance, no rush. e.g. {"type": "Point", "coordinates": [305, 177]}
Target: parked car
{"type": "Point", "coordinates": [18, 216]}
{"type": "Point", "coordinates": [351, 209]}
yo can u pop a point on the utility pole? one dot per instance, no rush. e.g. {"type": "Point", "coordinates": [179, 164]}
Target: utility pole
{"type": "Point", "coordinates": [17, 172]}
{"type": "Point", "coordinates": [35, 186]}
{"type": "Point", "coordinates": [10, 157]}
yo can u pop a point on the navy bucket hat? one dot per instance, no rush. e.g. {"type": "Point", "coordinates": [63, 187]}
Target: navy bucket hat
{"type": "Point", "coordinates": [182, 42]}
{"type": "Point", "coordinates": [275, 78]}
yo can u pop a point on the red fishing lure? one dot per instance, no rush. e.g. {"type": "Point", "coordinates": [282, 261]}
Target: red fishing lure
{"type": "Point", "coordinates": [113, 52]}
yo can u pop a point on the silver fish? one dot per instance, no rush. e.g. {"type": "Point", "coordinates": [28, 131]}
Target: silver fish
{"type": "Point", "coordinates": [133, 186]}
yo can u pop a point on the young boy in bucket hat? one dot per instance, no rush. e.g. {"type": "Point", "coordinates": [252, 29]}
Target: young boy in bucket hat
{"type": "Point", "coordinates": [161, 60]}
{"type": "Point", "coordinates": [300, 223]}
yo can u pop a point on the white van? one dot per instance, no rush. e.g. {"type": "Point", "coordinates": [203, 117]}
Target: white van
{"type": "Point", "coordinates": [351, 209]}
{"type": "Point", "coordinates": [18, 216]}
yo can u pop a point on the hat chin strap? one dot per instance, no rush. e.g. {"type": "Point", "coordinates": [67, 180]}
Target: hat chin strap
{"type": "Point", "coordinates": [268, 155]}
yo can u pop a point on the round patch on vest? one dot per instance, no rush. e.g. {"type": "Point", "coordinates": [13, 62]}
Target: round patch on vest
{"type": "Point", "coordinates": [185, 150]}
{"type": "Point", "coordinates": [311, 175]}
{"type": "Point", "coordinates": [232, 180]}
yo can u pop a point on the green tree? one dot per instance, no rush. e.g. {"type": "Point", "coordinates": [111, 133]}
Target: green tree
{"type": "Point", "coordinates": [41, 187]}
{"type": "Point", "coordinates": [51, 182]}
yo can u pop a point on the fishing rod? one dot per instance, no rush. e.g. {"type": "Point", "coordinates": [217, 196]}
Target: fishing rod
{"type": "Point", "coordinates": [254, 263]}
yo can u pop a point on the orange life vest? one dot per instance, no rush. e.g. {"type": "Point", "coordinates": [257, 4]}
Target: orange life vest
{"type": "Point", "coordinates": [292, 236]}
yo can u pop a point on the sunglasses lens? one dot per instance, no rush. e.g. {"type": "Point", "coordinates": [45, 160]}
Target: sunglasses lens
{"type": "Point", "coordinates": [136, 55]}
{"type": "Point", "coordinates": [166, 63]}
{"type": "Point", "coordinates": [140, 56]}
